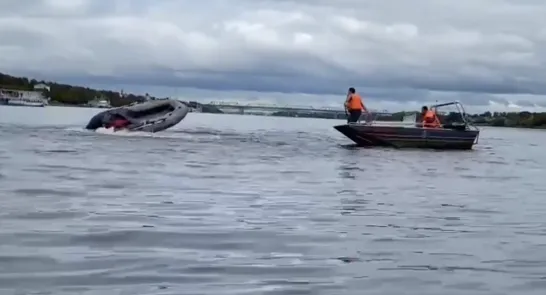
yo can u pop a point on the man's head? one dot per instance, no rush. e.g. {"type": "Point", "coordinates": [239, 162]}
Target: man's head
{"type": "Point", "coordinates": [352, 90]}
{"type": "Point", "coordinates": [424, 109]}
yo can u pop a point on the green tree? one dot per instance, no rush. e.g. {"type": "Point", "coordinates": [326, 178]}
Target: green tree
{"type": "Point", "coordinates": [68, 94]}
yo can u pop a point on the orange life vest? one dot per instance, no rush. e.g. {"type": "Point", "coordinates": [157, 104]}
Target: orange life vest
{"type": "Point", "coordinates": [430, 120]}
{"type": "Point", "coordinates": [355, 102]}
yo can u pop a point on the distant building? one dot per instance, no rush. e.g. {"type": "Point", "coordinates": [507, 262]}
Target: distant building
{"type": "Point", "coordinates": [100, 102]}
{"type": "Point", "coordinates": [42, 86]}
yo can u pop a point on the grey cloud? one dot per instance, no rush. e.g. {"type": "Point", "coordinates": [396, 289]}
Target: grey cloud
{"type": "Point", "coordinates": [392, 50]}
{"type": "Point", "coordinates": [541, 103]}
{"type": "Point", "coordinates": [525, 103]}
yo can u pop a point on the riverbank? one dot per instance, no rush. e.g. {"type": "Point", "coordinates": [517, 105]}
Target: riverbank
{"type": "Point", "coordinates": [543, 127]}
{"type": "Point", "coordinates": [60, 104]}
{"type": "Point", "coordinates": [78, 96]}
{"type": "Point", "coordinates": [506, 120]}
{"type": "Point", "coordinates": [513, 120]}
{"type": "Point", "coordinates": [70, 95]}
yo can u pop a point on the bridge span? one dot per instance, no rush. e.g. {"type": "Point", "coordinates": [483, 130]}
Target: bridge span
{"type": "Point", "coordinates": [256, 108]}
{"type": "Point", "coordinates": [264, 106]}
{"type": "Point", "coordinates": [272, 107]}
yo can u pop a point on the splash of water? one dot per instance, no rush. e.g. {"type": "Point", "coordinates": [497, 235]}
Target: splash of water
{"type": "Point", "coordinates": [172, 134]}
{"type": "Point", "coordinates": [124, 132]}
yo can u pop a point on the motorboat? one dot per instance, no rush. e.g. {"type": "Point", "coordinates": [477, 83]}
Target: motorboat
{"type": "Point", "coordinates": [456, 132]}
{"type": "Point", "coordinates": [148, 116]}
{"type": "Point", "coordinates": [12, 97]}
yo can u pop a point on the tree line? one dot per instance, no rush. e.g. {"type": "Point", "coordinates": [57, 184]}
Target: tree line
{"type": "Point", "coordinates": [498, 119]}
{"type": "Point", "coordinates": [79, 95]}
{"type": "Point", "coordinates": [511, 119]}
{"type": "Point", "coordinates": [68, 94]}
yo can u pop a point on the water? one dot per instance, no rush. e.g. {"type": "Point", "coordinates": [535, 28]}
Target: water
{"type": "Point", "coordinates": [227, 204]}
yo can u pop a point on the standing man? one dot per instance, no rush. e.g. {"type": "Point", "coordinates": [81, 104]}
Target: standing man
{"type": "Point", "coordinates": [354, 106]}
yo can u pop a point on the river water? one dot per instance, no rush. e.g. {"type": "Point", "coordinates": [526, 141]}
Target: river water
{"type": "Point", "coordinates": [227, 204]}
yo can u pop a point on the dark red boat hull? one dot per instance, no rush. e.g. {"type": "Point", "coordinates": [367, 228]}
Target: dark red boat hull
{"type": "Point", "coordinates": [409, 137]}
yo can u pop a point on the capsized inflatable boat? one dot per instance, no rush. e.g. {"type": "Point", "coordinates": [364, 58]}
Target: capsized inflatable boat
{"type": "Point", "coordinates": [148, 116]}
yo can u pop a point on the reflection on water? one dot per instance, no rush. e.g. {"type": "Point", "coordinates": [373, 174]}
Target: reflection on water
{"type": "Point", "coordinates": [256, 205]}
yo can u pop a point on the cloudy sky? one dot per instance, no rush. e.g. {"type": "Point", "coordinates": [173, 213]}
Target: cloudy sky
{"type": "Point", "coordinates": [397, 53]}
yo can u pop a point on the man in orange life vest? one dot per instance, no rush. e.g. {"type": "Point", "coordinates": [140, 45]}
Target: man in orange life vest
{"type": "Point", "coordinates": [430, 120]}
{"type": "Point", "coordinates": [354, 106]}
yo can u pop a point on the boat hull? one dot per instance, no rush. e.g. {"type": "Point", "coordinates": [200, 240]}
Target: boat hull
{"type": "Point", "coordinates": [409, 137]}
{"type": "Point", "coordinates": [149, 116]}
{"type": "Point", "coordinates": [21, 103]}
{"type": "Point", "coordinates": [11, 97]}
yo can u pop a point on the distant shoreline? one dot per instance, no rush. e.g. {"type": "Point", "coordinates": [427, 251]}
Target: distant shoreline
{"type": "Point", "coordinates": [513, 127]}
{"type": "Point", "coordinates": [309, 115]}
{"type": "Point", "coordinates": [53, 103]}
{"type": "Point", "coordinates": [64, 95]}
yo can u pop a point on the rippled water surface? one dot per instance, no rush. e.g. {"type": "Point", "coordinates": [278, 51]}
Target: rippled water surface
{"type": "Point", "coordinates": [227, 204]}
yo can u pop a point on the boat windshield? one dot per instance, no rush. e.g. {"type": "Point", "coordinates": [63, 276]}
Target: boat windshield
{"type": "Point", "coordinates": [450, 114]}
{"type": "Point", "coordinates": [412, 118]}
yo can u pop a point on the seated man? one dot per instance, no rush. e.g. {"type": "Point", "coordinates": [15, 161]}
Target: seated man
{"type": "Point", "coordinates": [430, 120]}
{"type": "Point", "coordinates": [118, 122]}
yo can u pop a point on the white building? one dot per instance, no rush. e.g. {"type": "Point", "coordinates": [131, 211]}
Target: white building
{"type": "Point", "coordinates": [42, 86]}
{"type": "Point", "coordinates": [100, 102]}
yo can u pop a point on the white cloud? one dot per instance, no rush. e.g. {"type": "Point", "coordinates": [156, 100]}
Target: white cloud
{"type": "Point", "coordinates": [419, 50]}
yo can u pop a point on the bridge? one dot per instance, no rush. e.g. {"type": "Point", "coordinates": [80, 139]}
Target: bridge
{"type": "Point", "coordinates": [241, 107]}
{"type": "Point", "coordinates": [263, 108]}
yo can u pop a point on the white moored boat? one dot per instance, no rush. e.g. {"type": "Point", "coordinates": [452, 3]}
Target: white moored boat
{"type": "Point", "coordinates": [22, 98]}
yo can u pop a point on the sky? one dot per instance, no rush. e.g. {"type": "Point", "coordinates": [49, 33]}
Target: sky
{"type": "Point", "coordinates": [398, 54]}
